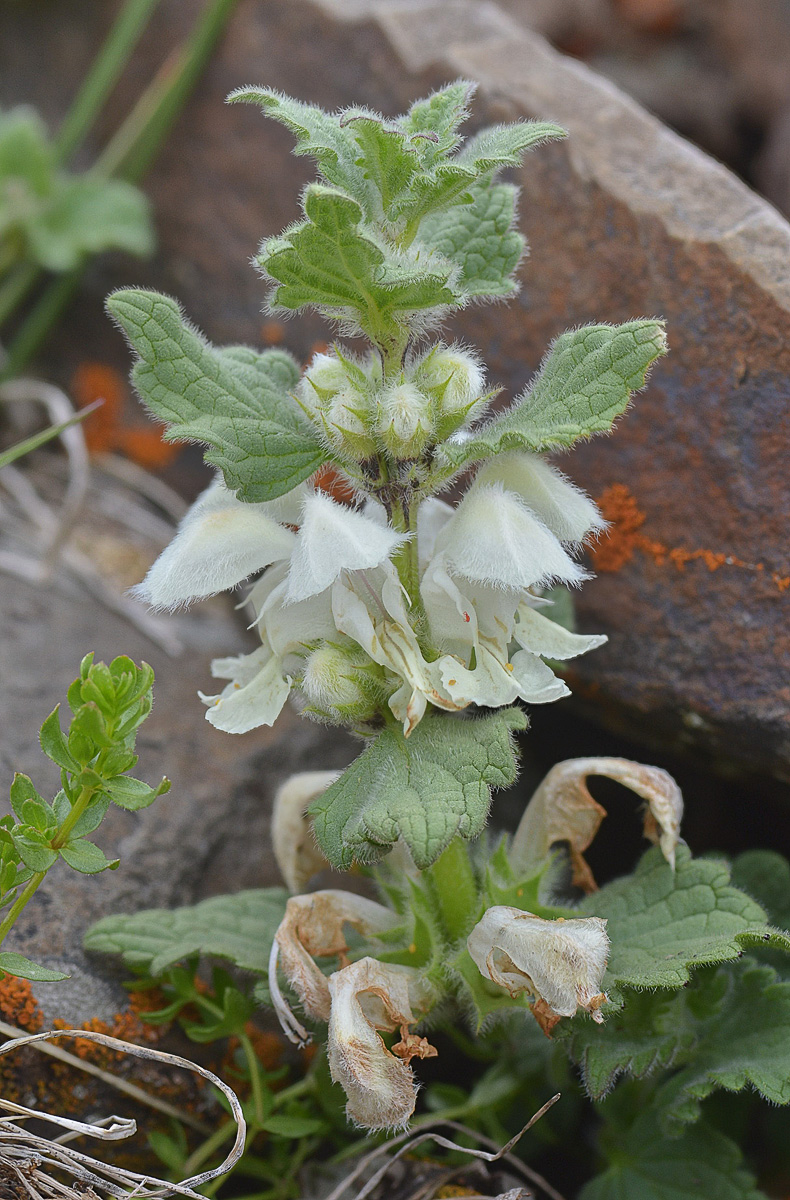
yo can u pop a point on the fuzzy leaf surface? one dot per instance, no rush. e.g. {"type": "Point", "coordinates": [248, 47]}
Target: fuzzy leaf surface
{"type": "Point", "coordinates": [424, 789]}
{"type": "Point", "coordinates": [233, 400]}
{"type": "Point", "coordinates": [584, 384]}
{"type": "Point", "coordinates": [480, 238]}
{"type": "Point", "coordinates": [701, 1163]}
{"type": "Point", "coordinates": [330, 262]}
{"type": "Point", "coordinates": [664, 923]}
{"type": "Point", "coordinates": [239, 927]}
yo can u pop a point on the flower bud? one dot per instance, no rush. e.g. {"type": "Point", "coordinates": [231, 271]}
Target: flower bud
{"type": "Point", "coordinates": [346, 424]}
{"type": "Point", "coordinates": [341, 683]}
{"type": "Point", "coordinates": [324, 377]}
{"type": "Point", "coordinates": [454, 379]}
{"type": "Point", "coordinates": [405, 424]}
{"type": "Point", "coordinates": [559, 962]}
{"type": "Point", "coordinates": [365, 997]}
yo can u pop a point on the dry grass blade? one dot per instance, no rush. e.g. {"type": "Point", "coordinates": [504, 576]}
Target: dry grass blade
{"type": "Point", "coordinates": [37, 1164]}
{"type": "Point", "coordinates": [408, 1142]}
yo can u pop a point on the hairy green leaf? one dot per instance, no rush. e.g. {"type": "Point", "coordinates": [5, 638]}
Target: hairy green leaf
{"type": "Point", "coordinates": [259, 438]}
{"type": "Point", "coordinates": [480, 238]}
{"type": "Point", "coordinates": [424, 789]}
{"type": "Point", "coordinates": [33, 848]}
{"type": "Point", "coordinates": [438, 116]}
{"type": "Point", "coordinates": [501, 146]}
{"type": "Point", "coordinates": [385, 156]}
{"type": "Point", "coordinates": [765, 876]}
{"type": "Point", "coordinates": [584, 384]}
{"type": "Point", "coordinates": [133, 793]}
{"type": "Point", "coordinates": [87, 858]}
{"type": "Point", "coordinates": [664, 923]}
{"type": "Point", "coordinates": [17, 964]}
{"type": "Point", "coordinates": [330, 262]}
{"type": "Point", "coordinates": [54, 744]}
{"type": "Point", "coordinates": [238, 927]}
{"type": "Point", "coordinates": [646, 1166]}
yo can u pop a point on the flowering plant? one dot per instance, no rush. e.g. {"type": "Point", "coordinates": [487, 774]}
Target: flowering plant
{"type": "Point", "coordinates": [419, 624]}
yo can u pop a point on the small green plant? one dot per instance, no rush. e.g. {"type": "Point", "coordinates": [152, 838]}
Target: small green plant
{"type": "Point", "coordinates": [419, 626]}
{"type": "Point", "coordinates": [108, 705]}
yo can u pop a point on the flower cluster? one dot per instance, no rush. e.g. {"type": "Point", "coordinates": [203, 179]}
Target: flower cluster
{"type": "Point", "coordinates": [334, 610]}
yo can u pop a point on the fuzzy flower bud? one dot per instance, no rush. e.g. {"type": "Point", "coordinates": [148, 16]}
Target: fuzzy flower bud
{"type": "Point", "coordinates": [559, 962]}
{"type": "Point", "coordinates": [365, 997]}
{"type": "Point", "coordinates": [454, 379]}
{"type": "Point", "coordinates": [405, 423]}
{"type": "Point", "coordinates": [345, 422]}
{"type": "Point", "coordinates": [341, 683]}
{"type": "Point", "coordinates": [325, 376]}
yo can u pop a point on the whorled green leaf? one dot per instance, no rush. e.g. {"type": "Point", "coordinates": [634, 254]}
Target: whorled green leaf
{"type": "Point", "coordinates": [16, 964]}
{"type": "Point", "coordinates": [701, 1164]}
{"type": "Point", "coordinates": [480, 239]}
{"type": "Point", "coordinates": [230, 399]}
{"type": "Point", "coordinates": [584, 384]}
{"type": "Point", "coordinates": [33, 848]}
{"type": "Point", "coordinates": [86, 857]}
{"type": "Point", "coordinates": [331, 262]}
{"type": "Point", "coordinates": [238, 927]}
{"type": "Point", "coordinates": [664, 923]}
{"type": "Point", "coordinates": [424, 789]}
{"type": "Point", "coordinates": [133, 794]}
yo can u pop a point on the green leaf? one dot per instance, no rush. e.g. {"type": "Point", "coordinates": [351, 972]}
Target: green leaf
{"type": "Point", "coordinates": [33, 848]}
{"type": "Point", "coordinates": [765, 876]}
{"type": "Point", "coordinates": [54, 744]}
{"type": "Point", "coordinates": [293, 1127]}
{"type": "Point", "coordinates": [439, 115]}
{"type": "Point", "coordinates": [645, 1166]}
{"type": "Point", "coordinates": [480, 238]}
{"type": "Point", "coordinates": [424, 789]}
{"type": "Point", "coordinates": [87, 858]}
{"type": "Point", "coordinates": [664, 923]}
{"type": "Point", "coordinates": [260, 439]}
{"type": "Point", "coordinates": [22, 789]}
{"type": "Point", "coordinates": [319, 135]}
{"type": "Point", "coordinates": [87, 215]}
{"type": "Point", "coordinates": [584, 384]}
{"type": "Point", "coordinates": [331, 263]}
{"type": "Point", "coordinates": [25, 154]}
{"type": "Point", "coordinates": [500, 146]}
{"type": "Point", "coordinates": [17, 964]}
{"type": "Point", "coordinates": [385, 156]}
{"type": "Point", "coordinates": [133, 793]}
{"type": "Point", "coordinates": [744, 1044]}
{"type": "Point", "coordinates": [238, 927]}
{"type": "Point", "coordinates": [92, 817]}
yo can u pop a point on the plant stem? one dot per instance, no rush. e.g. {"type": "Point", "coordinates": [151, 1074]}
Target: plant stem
{"type": "Point", "coordinates": [133, 147]}
{"type": "Point", "coordinates": [60, 839]}
{"type": "Point", "coordinates": [455, 888]}
{"type": "Point", "coordinates": [15, 287]}
{"type": "Point", "coordinates": [206, 1149]}
{"type": "Point", "coordinates": [255, 1077]}
{"type": "Point", "coordinates": [102, 76]}
{"type": "Point", "coordinates": [39, 321]}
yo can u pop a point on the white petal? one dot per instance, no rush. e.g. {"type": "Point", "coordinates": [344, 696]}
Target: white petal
{"type": "Point", "coordinates": [494, 538]}
{"type": "Point", "coordinates": [332, 539]}
{"type": "Point", "coordinates": [562, 507]}
{"type": "Point", "coordinates": [490, 684]}
{"type": "Point", "coordinates": [288, 508]}
{"type": "Point", "coordinates": [294, 845]}
{"type": "Point", "coordinates": [536, 682]}
{"type": "Point", "coordinates": [432, 516]}
{"type": "Point", "coordinates": [255, 696]}
{"type": "Point", "coordinates": [220, 542]}
{"type": "Point", "coordinates": [539, 635]}
{"type": "Point", "coordinates": [290, 627]}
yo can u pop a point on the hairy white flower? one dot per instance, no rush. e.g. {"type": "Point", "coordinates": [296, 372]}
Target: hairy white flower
{"type": "Point", "coordinates": [405, 423]}
{"type": "Point", "coordinates": [219, 543]}
{"type": "Point", "coordinates": [560, 962]}
{"type": "Point", "coordinates": [559, 504]}
{"type": "Point", "coordinates": [365, 997]}
{"type": "Point", "coordinates": [454, 379]}
{"type": "Point", "coordinates": [562, 810]}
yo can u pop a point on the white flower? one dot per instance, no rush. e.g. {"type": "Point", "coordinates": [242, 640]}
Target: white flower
{"type": "Point", "coordinates": [560, 962]}
{"type": "Point", "coordinates": [562, 810]}
{"type": "Point", "coordinates": [559, 504]}
{"type": "Point", "coordinates": [293, 841]}
{"type": "Point", "coordinates": [367, 996]}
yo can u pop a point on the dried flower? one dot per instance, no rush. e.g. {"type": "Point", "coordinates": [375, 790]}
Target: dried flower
{"type": "Point", "coordinates": [295, 848]}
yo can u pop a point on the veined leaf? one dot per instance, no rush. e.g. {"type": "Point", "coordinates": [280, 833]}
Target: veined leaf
{"type": "Point", "coordinates": [259, 438]}
{"type": "Point", "coordinates": [238, 927]}
{"type": "Point", "coordinates": [480, 238]}
{"type": "Point", "coordinates": [424, 790]}
{"type": "Point", "coordinates": [24, 968]}
{"type": "Point", "coordinates": [439, 115]}
{"type": "Point", "coordinates": [584, 384]}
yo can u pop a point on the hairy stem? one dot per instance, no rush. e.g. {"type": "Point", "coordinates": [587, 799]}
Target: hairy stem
{"type": "Point", "coordinates": [455, 888]}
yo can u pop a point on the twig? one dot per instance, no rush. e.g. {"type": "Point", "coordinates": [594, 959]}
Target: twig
{"type": "Point", "coordinates": [121, 1085]}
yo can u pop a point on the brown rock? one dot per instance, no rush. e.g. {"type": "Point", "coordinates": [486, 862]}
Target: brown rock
{"type": "Point", "coordinates": [624, 219]}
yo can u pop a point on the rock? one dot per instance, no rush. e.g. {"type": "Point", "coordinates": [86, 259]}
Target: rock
{"type": "Point", "coordinates": [625, 218]}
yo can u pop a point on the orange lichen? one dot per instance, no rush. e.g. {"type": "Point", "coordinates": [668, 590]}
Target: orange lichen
{"type": "Point", "coordinates": [625, 537]}
{"type": "Point", "coordinates": [272, 332]}
{"type": "Point", "coordinates": [329, 480]}
{"type": "Point", "coordinates": [106, 430]}
{"type": "Point", "coordinates": [18, 1005]}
